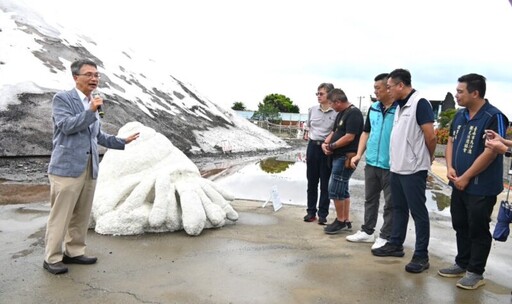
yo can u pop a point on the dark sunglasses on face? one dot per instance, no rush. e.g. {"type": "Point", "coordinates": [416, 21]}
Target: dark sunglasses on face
{"type": "Point", "coordinates": [319, 93]}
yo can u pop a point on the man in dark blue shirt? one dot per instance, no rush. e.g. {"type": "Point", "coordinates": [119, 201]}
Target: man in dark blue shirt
{"type": "Point", "coordinates": [476, 176]}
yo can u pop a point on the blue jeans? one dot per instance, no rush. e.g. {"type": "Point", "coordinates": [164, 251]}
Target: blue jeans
{"type": "Point", "coordinates": [408, 194]}
{"type": "Point", "coordinates": [338, 183]}
{"type": "Point", "coordinates": [317, 170]}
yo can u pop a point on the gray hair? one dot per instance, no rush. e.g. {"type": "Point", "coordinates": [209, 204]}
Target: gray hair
{"type": "Point", "coordinates": [327, 86]}
{"type": "Point", "coordinates": [77, 65]}
{"type": "Point", "coordinates": [337, 95]}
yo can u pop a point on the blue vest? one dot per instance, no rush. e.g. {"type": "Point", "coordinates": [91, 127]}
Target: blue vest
{"type": "Point", "coordinates": [377, 147]}
{"type": "Point", "coordinates": [468, 144]}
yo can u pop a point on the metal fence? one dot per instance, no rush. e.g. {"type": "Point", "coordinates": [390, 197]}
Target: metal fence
{"type": "Point", "coordinates": [293, 131]}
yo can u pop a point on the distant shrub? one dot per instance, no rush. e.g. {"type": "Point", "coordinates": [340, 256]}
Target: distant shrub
{"type": "Point", "coordinates": [446, 117]}
{"type": "Point", "coordinates": [509, 133]}
{"type": "Point", "coordinates": [442, 135]}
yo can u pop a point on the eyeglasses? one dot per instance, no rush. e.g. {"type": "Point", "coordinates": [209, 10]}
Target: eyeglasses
{"type": "Point", "coordinates": [319, 93]}
{"type": "Point", "coordinates": [90, 75]}
{"type": "Point", "coordinates": [394, 85]}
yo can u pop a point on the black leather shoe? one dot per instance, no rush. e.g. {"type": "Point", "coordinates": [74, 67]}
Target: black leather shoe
{"type": "Point", "coordinates": [55, 268]}
{"type": "Point", "coordinates": [309, 218]}
{"type": "Point", "coordinates": [81, 259]}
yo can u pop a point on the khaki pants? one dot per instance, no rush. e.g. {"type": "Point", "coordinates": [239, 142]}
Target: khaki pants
{"type": "Point", "coordinates": [71, 203]}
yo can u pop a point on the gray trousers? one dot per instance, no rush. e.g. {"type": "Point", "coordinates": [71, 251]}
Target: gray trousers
{"type": "Point", "coordinates": [377, 180]}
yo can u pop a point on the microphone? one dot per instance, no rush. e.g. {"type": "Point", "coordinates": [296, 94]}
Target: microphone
{"type": "Point", "coordinates": [95, 94]}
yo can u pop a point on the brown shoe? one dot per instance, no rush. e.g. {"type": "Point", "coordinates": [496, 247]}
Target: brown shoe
{"type": "Point", "coordinates": [81, 259]}
{"type": "Point", "coordinates": [55, 268]}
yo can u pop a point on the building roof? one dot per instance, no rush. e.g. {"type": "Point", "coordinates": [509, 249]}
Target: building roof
{"type": "Point", "coordinates": [282, 115]}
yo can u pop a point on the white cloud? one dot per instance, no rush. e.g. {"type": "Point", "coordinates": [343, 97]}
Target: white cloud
{"type": "Point", "coordinates": [241, 51]}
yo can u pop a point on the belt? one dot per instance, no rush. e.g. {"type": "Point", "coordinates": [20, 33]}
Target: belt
{"type": "Point", "coordinates": [317, 142]}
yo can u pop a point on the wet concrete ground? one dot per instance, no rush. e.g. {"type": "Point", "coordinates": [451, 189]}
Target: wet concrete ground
{"type": "Point", "coordinates": [266, 257]}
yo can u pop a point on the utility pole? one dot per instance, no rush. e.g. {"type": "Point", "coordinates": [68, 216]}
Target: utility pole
{"type": "Point", "coordinates": [360, 98]}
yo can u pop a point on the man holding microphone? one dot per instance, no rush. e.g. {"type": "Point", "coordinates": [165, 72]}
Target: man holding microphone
{"type": "Point", "coordinates": [73, 168]}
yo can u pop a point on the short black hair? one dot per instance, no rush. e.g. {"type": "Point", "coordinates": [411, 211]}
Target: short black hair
{"type": "Point", "coordinates": [78, 64]}
{"type": "Point", "coordinates": [474, 82]}
{"type": "Point", "coordinates": [337, 95]}
{"type": "Point", "coordinates": [401, 75]}
{"type": "Point", "coordinates": [381, 76]}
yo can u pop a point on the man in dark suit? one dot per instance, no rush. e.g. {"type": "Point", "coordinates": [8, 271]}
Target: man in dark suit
{"type": "Point", "coordinates": [73, 168]}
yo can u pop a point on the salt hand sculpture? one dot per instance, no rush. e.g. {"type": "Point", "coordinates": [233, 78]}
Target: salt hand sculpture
{"type": "Point", "coordinates": [151, 186]}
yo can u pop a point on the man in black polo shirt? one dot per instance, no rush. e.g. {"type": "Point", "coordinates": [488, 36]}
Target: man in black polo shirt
{"type": "Point", "coordinates": [342, 144]}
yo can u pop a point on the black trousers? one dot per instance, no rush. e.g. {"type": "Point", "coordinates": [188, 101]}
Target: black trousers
{"type": "Point", "coordinates": [471, 216]}
{"type": "Point", "coordinates": [318, 171]}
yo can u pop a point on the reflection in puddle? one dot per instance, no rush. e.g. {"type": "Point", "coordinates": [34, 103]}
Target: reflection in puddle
{"type": "Point", "coordinates": [438, 197]}
{"type": "Point", "coordinates": [255, 180]}
{"type": "Point", "coordinates": [272, 165]}
{"type": "Point", "coordinates": [23, 217]}
{"type": "Point", "coordinates": [438, 202]}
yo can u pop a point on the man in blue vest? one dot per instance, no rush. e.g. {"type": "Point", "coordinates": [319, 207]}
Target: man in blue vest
{"type": "Point", "coordinates": [375, 140]}
{"type": "Point", "coordinates": [412, 146]}
{"type": "Point", "coordinates": [476, 176]}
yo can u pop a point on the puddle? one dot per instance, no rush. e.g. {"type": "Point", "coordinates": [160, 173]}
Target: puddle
{"type": "Point", "coordinates": [254, 180]}
{"type": "Point", "coordinates": [438, 197]}
{"type": "Point", "coordinates": [23, 217]}
{"type": "Point", "coordinates": [438, 202]}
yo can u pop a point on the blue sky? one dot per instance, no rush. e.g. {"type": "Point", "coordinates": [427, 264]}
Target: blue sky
{"type": "Point", "coordinates": [241, 51]}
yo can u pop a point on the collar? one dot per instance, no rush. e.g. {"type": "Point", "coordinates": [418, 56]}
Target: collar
{"type": "Point", "coordinates": [403, 102]}
{"type": "Point", "coordinates": [324, 111]}
{"type": "Point", "coordinates": [347, 108]}
{"type": "Point", "coordinates": [383, 107]}
{"type": "Point", "coordinates": [479, 113]}
{"type": "Point", "coordinates": [81, 95]}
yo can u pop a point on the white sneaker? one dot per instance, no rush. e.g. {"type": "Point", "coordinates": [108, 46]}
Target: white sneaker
{"type": "Point", "coordinates": [360, 237]}
{"type": "Point", "coordinates": [379, 242]}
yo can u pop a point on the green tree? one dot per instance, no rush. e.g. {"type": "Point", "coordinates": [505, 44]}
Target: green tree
{"type": "Point", "coordinates": [266, 112]}
{"type": "Point", "coordinates": [271, 106]}
{"type": "Point", "coordinates": [238, 106]}
{"type": "Point", "coordinates": [281, 102]}
{"type": "Point", "coordinates": [446, 117]}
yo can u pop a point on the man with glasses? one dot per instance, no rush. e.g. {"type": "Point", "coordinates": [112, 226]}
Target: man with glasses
{"type": "Point", "coordinates": [412, 146]}
{"type": "Point", "coordinates": [73, 168]}
{"type": "Point", "coordinates": [320, 120]}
